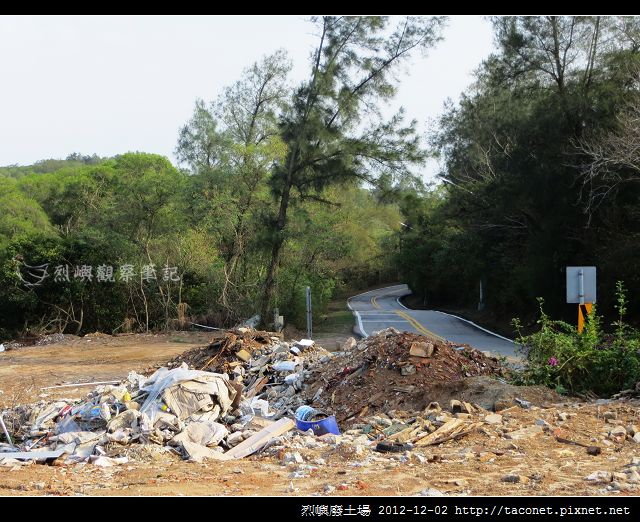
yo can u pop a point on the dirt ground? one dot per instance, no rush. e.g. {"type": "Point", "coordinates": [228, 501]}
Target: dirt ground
{"type": "Point", "coordinates": [95, 357]}
{"type": "Point", "coordinates": [476, 464]}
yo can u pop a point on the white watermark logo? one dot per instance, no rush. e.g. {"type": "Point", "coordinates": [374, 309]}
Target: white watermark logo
{"type": "Point", "coordinates": [36, 275]}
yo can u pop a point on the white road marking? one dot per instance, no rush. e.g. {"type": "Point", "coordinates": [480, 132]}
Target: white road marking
{"type": "Point", "coordinates": [358, 319]}
{"type": "Point", "coordinates": [403, 306]}
{"type": "Point", "coordinates": [474, 324]}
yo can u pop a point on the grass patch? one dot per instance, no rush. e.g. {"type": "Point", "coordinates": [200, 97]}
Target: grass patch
{"type": "Point", "coordinates": [338, 320]}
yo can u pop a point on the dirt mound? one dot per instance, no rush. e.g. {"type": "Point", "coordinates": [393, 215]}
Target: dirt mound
{"type": "Point", "coordinates": [394, 370]}
{"type": "Point", "coordinates": [492, 394]}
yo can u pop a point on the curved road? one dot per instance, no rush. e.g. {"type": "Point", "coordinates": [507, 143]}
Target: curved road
{"type": "Point", "coordinates": [381, 308]}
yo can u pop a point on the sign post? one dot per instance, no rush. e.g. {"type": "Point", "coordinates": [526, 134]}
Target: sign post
{"type": "Point", "coordinates": [309, 315]}
{"type": "Point", "coordinates": [581, 289]}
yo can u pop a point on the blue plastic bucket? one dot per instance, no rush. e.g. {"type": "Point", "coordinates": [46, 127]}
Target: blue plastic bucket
{"type": "Point", "coordinates": [320, 427]}
{"type": "Point", "coordinates": [305, 413]}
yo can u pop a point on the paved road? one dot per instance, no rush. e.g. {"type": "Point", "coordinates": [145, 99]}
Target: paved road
{"type": "Point", "coordinates": [381, 308]}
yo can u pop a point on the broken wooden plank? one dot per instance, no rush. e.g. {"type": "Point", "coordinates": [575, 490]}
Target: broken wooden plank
{"type": "Point", "coordinates": [258, 440]}
{"type": "Point", "coordinates": [404, 389]}
{"type": "Point", "coordinates": [443, 431]}
{"type": "Point", "coordinates": [402, 434]}
{"type": "Point", "coordinates": [453, 436]}
{"type": "Point", "coordinates": [364, 411]}
{"type": "Point", "coordinates": [256, 387]}
{"type": "Point", "coordinates": [591, 450]}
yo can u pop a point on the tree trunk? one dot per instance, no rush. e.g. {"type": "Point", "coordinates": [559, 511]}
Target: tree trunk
{"type": "Point", "coordinates": [278, 243]}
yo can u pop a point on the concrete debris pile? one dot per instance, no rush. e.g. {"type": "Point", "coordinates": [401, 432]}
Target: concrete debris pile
{"type": "Point", "coordinates": [36, 340]}
{"type": "Point", "coordinates": [265, 367]}
{"type": "Point", "coordinates": [224, 353]}
{"type": "Point", "coordinates": [449, 425]}
{"type": "Point", "coordinates": [393, 369]}
{"type": "Point", "coordinates": [241, 395]}
{"type": "Point", "coordinates": [192, 412]}
{"type": "Point", "coordinates": [517, 448]}
{"type": "Point", "coordinates": [179, 408]}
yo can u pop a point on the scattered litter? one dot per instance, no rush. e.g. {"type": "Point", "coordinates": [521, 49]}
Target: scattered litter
{"type": "Point", "coordinates": [600, 476]}
{"type": "Point", "coordinates": [257, 441]}
{"type": "Point", "coordinates": [33, 455]}
{"type": "Point", "coordinates": [4, 430]}
{"type": "Point", "coordinates": [107, 462]}
{"type": "Point", "coordinates": [285, 366]}
{"type": "Point", "coordinates": [304, 343]}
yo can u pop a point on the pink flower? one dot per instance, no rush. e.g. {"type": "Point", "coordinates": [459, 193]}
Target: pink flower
{"type": "Point", "coordinates": [553, 361]}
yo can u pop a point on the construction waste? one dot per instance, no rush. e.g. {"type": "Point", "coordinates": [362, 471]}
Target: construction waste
{"type": "Point", "coordinates": [248, 391]}
{"type": "Point", "coordinates": [211, 410]}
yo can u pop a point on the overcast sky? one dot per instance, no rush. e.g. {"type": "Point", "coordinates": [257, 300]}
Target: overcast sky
{"type": "Point", "coordinates": [112, 84]}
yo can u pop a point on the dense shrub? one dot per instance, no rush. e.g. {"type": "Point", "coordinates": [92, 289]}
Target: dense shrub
{"type": "Point", "coordinates": [595, 361]}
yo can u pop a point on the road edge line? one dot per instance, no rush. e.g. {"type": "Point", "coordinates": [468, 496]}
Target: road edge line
{"type": "Point", "coordinates": [358, 318]}
{"type": "Point", "coordinates": [374, 290]}
{"type": "Point", "coordinates": [474, 324]}
{"type": "Point", "coordinates": [403, 306]}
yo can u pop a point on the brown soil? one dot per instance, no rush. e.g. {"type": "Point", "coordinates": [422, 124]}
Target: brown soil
{"type": "Point", "coordinates": [25, 371]}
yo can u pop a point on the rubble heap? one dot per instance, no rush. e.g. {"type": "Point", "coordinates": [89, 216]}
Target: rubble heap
{"type": "Point", "coordinates": [231, 397]}
{"type": "Point", "coordinates": [198, 413]}
{"type": "Point", "coordinates": [262, 364]}
{"type": "Point", "coordinates": [392, 369]}
{"type": "Point", "coordinates": [224, 353]}
{"type": "Point", "coordinates": [179, 407]}
{"type": "Point", "coordinates": [382, 389]}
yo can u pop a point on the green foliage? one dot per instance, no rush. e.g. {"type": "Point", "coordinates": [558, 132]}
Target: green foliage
{"type": "Point", "coordinates": [20, 214]}
{"type": "Point", "coordinates": [516, 204]}
{"type": "Point", "coordinates": [333, 127]}
{"type": "Point", "coordinates": [557, 356]}
{"type": "Point", "coordinates": [49, 165]}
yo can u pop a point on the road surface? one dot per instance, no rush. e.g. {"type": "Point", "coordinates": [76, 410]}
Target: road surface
{"type": "Point", "coordinates": [381, 308]}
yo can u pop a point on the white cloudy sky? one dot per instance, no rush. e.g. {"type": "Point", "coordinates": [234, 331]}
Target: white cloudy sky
{"type": "Point", "coordinates": [112, 84]}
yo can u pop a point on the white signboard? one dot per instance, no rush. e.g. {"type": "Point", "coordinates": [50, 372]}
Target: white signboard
{"type": "Point", "coordinates": [581, 284]}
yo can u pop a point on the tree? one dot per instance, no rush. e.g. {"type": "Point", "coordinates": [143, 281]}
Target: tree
{"type": "Point", "coordinates": [552, 47]}
{"type": "Point", "coordinates": [613, 156]}
{"type": "Point", "coordinates": [235, 141]}
{"type": "Point", "coordinates": [333, 128]}
{"type": "Point", "coordinates": [513, 211]}
{"type": "Point", "coordinates": [21, 215]}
